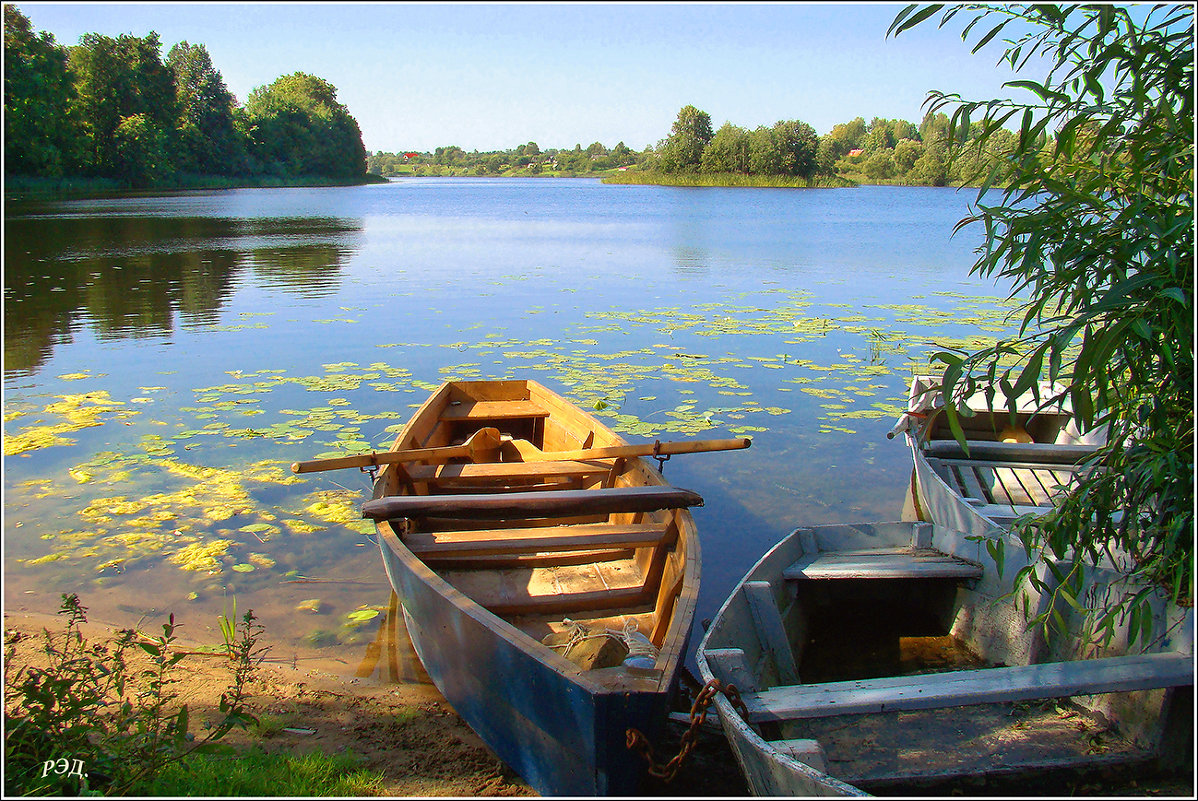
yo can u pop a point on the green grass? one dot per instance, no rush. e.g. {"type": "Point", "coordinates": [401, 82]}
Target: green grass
{"type": "Point", "coordinates": [256, 774]}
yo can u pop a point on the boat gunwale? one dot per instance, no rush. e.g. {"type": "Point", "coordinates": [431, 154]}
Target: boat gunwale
{"type": "Point", "coordinates": [731, 718]}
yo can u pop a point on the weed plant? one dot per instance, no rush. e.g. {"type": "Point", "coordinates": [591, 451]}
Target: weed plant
{"type": "Point", "coordinates": [102, 718]}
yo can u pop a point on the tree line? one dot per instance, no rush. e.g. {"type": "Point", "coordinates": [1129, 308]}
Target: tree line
{"type": "Point", "coordinates": [113, 108]}
{"type": "Point", "coordinates": [881, 151]}
{"type": "Point", "coordinates": [525, 159]}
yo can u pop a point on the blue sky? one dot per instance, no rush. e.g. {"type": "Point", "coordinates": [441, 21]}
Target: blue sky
{"type": "Point", "coordinates": [490, 76]}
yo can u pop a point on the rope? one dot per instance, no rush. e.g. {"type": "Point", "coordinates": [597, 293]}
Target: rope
{"type": "Point", "coordinates": [638, 644]}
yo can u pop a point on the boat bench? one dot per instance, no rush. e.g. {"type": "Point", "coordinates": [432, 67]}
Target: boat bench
{"type": "Point", "coordinates": [1031, 453]}
{"type": "Point", "coordinates": [493, 410]}
{"type": "Point", "coordinates": [551, 503]}
{"type": "Point", "coordinates": [508, 471]}
{"type": "Point", "coordinates": [970, 687]}
{"type": "Point", "coordinates": [453, 544]}
{"type": "Point", "coordinates": [881, 563]}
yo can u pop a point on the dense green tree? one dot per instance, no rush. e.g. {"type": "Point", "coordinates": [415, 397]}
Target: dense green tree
{"type": "Point", "coordinates": [929, 169]}
{"type": "Point", "coordinates": [879, 166]}
{"type": "Point", "coordinates": [689, 136]}
{"type": "Point", "coordinates": [1095, 232]}
{"type": "Point", "coordinates": [140, 151]}
{"type": "Point", "coordinates": [302, 130]}
{"type": "Point", "coordinates": [843, 137]}
{"type": "Point", "coordinates": [450, 156]}
{"type": "Point", "coordinates": [208, 139]}
{"type": "Point", "coordinates": [906, 153]}
{"type": "Point", "coordinates": [879, 135]}
{"type": "Point", "coordinates": [116, 79]}
{"type": "Point", "coordinates": [40, 135]}
{"type": "Point", "coordinates": [766, 153]}
{"type": "Point", "coordinates": [799, 146]}
{"type": "Point", "coordinates": [728, 151]}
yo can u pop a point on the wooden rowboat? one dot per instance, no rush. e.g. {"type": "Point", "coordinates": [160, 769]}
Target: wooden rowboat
{"type": "Point", "coordinates": [886, 656]}
{"type": "Point", "coordinates": [548, 576]}
{"type": "Point", "coordinates": [1010, 469]}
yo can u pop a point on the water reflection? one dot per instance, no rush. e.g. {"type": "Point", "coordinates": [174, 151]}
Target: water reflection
{"type": "Point", "coordinates": [125, 277]}
{"type": "Point", "coordinates": [390, 657]}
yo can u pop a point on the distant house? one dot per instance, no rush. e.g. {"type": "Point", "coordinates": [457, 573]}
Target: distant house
{"type": "Point", "coordinates": [855, 152]}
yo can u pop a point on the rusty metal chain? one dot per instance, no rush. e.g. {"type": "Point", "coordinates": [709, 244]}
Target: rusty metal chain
{"type": "Point", "coordinates": [698, 715]}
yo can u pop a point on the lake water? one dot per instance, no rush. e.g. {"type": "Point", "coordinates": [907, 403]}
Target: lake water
{"type": "Point", "coordinates": [166, 358]}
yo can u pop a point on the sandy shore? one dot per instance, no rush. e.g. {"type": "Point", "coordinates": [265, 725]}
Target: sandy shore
{"type": "Point", "coordinates": [403, 729]}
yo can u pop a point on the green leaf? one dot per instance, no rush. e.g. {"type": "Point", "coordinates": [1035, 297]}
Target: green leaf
{"type": "Point", "coordinates": [905, 20]}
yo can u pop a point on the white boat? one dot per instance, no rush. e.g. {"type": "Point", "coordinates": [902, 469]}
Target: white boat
{"type": "Point", "coordinates": [1011, 468]}
{"type": "Point", "coordinates": [956, 684]}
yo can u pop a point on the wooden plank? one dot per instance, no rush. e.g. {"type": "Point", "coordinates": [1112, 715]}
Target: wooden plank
{"type": "Point", "coordinates": [1003, 511]}
{"type": "Point", "coordinates": [501, 505]}
{"type": "Point", "coordinates": [1067, 469]}
{"type": "Point", "coordinates": [493, 410]}
{"type": "Point", "coordinates": [992, 486]}
{"type": "Point", "coordinates": [1036, 452]}
{"type": "Point", "coordinates": [620, 598]}
{"type": "Point", "coordinates": [1037, 493]}
{"type": "Point", "coordinates": [506, 470]}
{"type": "Point", "coordinates": [672, 580]}
{"type": "Point", "coordinates": [809, 752]}
{"type": "Point", "coordinates": [968, 687]}
{"type": "Point", "coordinates": [885, 564]}
{"type": "Point", "coordinates": [969, 480]}
{"type": "Point", "coordinates": [528, 560]}
{"type": "Point", "coordinates": [732, 668]}
{"type": "Point", "coordinates": [1013, 484]}
{"type": "Point", "coordinates": [770, 631]}
{"type": "Point", "coordinates": [532, 540]}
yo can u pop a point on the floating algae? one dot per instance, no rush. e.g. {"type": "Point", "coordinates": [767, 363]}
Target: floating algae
{"type": "Point", "coordinates": [158, 501]}
{"type": "Point", "coordinates": [80, 411]}
{"type": "Point", "coordinates": [201, 555]}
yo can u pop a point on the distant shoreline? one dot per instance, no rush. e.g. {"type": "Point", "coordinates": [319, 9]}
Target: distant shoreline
{"type": "Point", "coordinates": [20, 187]}
{"type": "Point", "coordinates": [726, 180]}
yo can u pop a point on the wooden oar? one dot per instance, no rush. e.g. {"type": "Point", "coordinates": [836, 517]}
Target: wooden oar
{"type": "Point", "coordinates": [487, 439]}
{"type": "Point", "coordinates": [480, 443]}
{"type": "Point", "coordinates": [656, 449]}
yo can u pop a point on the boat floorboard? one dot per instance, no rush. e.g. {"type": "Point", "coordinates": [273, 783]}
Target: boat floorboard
{"type": "Point", "coordinates": [591, 585]}
{"type": "Point", "coordinates": [992, 739]}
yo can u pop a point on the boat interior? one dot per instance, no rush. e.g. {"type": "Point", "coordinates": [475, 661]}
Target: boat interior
{"type": "Point", "coordinates": [878, 656]}
{"type": "Point", "coordinates": [578, 558]}
{"type": "Point", "coordinates": [1011, 467]}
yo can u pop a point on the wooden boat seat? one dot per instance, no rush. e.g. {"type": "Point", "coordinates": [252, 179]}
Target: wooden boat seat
{"type": "Point", "coordinates": [493, 410]}
{"type": "Point", "coordinates": [882, 563]}
{"type": "Point", "coordinates": [511, 471]}
{"type": "Point", "coordinates": [506, 505]}
{"type": "Point", "coordinates": [1033, 453]}
{"type": "Point", "coordinates": [451, 544]}
{"type": "Point", "coordinates": [970, 687]}
{"type": "Point", "coordinates": [623, 598]}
